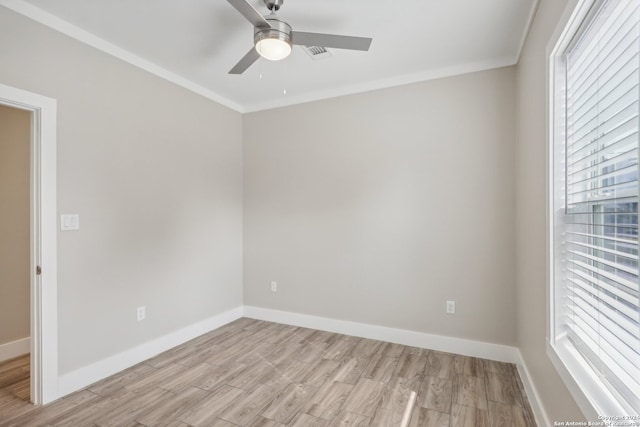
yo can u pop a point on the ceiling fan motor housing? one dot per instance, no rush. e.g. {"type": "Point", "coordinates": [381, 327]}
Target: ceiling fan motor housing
{"type": "Point", "coordinates": [279, 30]}
{"type": "Point", "coordinates": [273, 4]}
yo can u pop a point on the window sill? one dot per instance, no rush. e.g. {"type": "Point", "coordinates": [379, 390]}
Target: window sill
{"type": "Point", "coordinates": [588, 390]}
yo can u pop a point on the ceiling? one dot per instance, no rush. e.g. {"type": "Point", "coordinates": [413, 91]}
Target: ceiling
{"type": "Point", "coordinates": [196, 42]}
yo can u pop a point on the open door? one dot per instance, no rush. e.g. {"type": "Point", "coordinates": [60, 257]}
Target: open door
{"type": "Point", "coordinates": [43, 251]}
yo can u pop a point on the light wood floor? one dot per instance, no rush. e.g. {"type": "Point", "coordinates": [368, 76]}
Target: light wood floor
{"type": "Point", "coordinates": [14, 379]}
{"type": "Point", "coordinates": [255, 373]}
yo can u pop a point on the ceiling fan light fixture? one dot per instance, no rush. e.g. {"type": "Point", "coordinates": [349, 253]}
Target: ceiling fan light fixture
{"type": "Point", "coordinates": [273, 43]}
{"type": "Point", "coordinates": [273, 49]}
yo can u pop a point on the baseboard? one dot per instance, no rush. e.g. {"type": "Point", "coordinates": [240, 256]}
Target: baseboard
{"type": "Point", "coordinates": [465, 347]}
{"type": "Point", "coordinates": [472, 348]}
{"type": "Point", "coordinates": [542, 419]}
{"type": "Point", "coordinates": [15, 348]}
{"type": "Point", "coordinates": [88, 375]}
{"type": "Point", "coordinates": [85, 376]}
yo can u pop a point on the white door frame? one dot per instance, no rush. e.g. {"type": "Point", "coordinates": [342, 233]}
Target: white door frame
{"type": "Point", "coordinates": [44, 292]}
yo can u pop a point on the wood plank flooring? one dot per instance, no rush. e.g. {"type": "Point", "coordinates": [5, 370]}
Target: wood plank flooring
{"type": "Point", "coordinates": [15, 378]}
{"type": "Point", "coordinates": [261, 374]}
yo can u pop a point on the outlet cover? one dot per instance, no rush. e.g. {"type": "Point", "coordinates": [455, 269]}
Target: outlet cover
{"type": "Point", "coordinates": [451, 307]}
{"type": "Point", "coordinates": [142, 313]}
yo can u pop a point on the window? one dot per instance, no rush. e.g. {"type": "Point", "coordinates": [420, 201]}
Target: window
{"type": "Point", "coordinates": [595, 308]}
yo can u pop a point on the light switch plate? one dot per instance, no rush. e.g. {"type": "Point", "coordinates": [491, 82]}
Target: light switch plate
{"type": "Point", "coordinates": [69, 222]}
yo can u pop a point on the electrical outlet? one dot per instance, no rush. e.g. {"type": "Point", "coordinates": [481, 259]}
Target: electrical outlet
{"type": "Point", "coordinates": [142, 313]}
{"type": "Point", "coordinates": [451, 307]}
{"type": "Point", "coordinates": [274, 286]}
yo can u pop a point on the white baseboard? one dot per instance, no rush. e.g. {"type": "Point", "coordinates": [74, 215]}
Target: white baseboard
{"type": "Point", "coordinates": [542, 419]}
{"type": "Point", "coordinates": [87, 375]}
{"type": "Point", "coordinates": [465, 347]}
{"type": "Point", "coordinates": [15, 348]}
{"type": "Point", "coordinates": [81, 378]}
{"type": "Point", "coordinates": [472, 348]}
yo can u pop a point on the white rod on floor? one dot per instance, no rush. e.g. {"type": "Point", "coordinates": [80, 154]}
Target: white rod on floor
{"type": "Point", "coordinates": [407, 412]}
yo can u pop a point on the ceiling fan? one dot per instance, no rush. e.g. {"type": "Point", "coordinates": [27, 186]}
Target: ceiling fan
{"type": "Point", "coordinates": [273, 38]}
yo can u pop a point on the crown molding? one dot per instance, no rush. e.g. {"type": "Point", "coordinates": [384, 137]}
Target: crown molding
{"type": "Point", "coordinates": [49, 20]}
{"type": "Point", "coordinates": [527, 29]}
{"type": "Point", "coordinates": [391, 82]}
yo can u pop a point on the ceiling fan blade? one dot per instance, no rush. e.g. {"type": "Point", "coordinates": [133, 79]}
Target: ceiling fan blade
{"type": "Point", "coordinates": [250, 12]}
{"type": "Point", "coordinates": [246, 62]}
{"type": "Point", "coordinates": [330, 40]}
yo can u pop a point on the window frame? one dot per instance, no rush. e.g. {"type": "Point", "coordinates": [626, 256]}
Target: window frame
{"type": "Point", "coordinates": [593, 397]}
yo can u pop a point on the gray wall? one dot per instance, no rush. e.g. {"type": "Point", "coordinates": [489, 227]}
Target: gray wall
{"type": "Point", "coordinates": [14, 223]}
{"type": "Point", "coordinates": [155, 173]}
{"type": "Point", "coordinates": [531, 201]}
{"type": "Point", "coordinates": [374, 207]}
{"type": "Point", "coordinates": [380, 206]}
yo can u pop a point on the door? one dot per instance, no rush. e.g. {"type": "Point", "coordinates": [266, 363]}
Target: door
{"type": "Point", "coordinates": [42, 245]}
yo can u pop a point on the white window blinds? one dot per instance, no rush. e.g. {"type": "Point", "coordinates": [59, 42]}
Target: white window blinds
{"type": "Point", "coordinates": [599, 309]}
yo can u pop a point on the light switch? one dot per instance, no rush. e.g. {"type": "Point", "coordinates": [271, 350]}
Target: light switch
{"type": "Point", "coordinates": [69, 222]}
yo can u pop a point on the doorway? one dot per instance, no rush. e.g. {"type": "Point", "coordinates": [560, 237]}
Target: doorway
{"type": "Point", "coordinates": [43, 364]}
{"type": "Point", "coordinates": [15, 137]}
